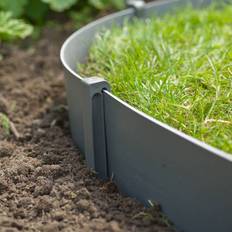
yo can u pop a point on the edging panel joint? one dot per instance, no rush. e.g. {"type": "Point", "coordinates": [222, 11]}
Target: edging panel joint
{"type": "Point", "coordinates": [94, 128]}
{"type": "Point", "coordinates": [138, 6]}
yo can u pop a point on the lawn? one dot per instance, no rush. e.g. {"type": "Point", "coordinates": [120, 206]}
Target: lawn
{"type": "Point", "coordinates": [176, 68]}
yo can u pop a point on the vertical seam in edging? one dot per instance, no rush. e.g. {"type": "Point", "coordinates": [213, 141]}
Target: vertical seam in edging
{"type": "Point", "coordinates": [105, 134]}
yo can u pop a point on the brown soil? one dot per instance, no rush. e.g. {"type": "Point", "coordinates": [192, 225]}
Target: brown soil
{"type": "Point", "coordinates": [44, 183]}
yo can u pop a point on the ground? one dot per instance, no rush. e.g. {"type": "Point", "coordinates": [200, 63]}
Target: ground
{"type": "Point", "coordinates": [44, 182]}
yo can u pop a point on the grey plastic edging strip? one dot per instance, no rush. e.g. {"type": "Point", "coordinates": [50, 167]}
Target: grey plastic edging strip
{"type": "Point", "coordinates": [189, 178]}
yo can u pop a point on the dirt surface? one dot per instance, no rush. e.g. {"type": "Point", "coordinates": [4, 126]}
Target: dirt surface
{"type": "Point", "coordinates": [44, 183]}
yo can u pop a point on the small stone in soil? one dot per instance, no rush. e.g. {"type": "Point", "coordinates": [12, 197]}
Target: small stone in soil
{"type": "Point", "coordinates": [6, 149]}
{"type": "Point", "coordinates": [3, 185]}
{"type": "Point", "coordinates": [44, 186]}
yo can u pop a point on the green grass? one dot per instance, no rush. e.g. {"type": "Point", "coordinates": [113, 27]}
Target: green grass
{"type": "Point", "coordinates": [5, 123]}
{"type": "Point", "coordinates": [176, 68]}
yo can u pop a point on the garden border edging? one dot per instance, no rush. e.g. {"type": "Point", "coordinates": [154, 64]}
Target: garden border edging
{"type": "Point", "coordinates": [192, 185]}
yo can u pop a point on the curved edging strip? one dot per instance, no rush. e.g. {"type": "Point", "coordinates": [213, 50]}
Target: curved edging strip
{"type": "Point", "coordinates": [147, 159]}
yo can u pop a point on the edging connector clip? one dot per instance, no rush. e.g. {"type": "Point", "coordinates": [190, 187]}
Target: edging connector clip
{"type": "Point", "coordinates": [138, 5]}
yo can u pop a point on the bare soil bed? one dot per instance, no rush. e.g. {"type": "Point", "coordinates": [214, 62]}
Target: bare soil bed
{"type": "Point", "coordinates": [44, 183]}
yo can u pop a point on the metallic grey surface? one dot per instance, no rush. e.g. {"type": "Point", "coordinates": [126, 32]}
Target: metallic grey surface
{"type": "Point", "coordinates": [148, 159]}
{"type": "Point", "coordinates": [160, 7]}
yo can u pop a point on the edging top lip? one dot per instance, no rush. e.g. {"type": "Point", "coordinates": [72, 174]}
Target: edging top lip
{"type": "Point", "coordinates": [215, 151]}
